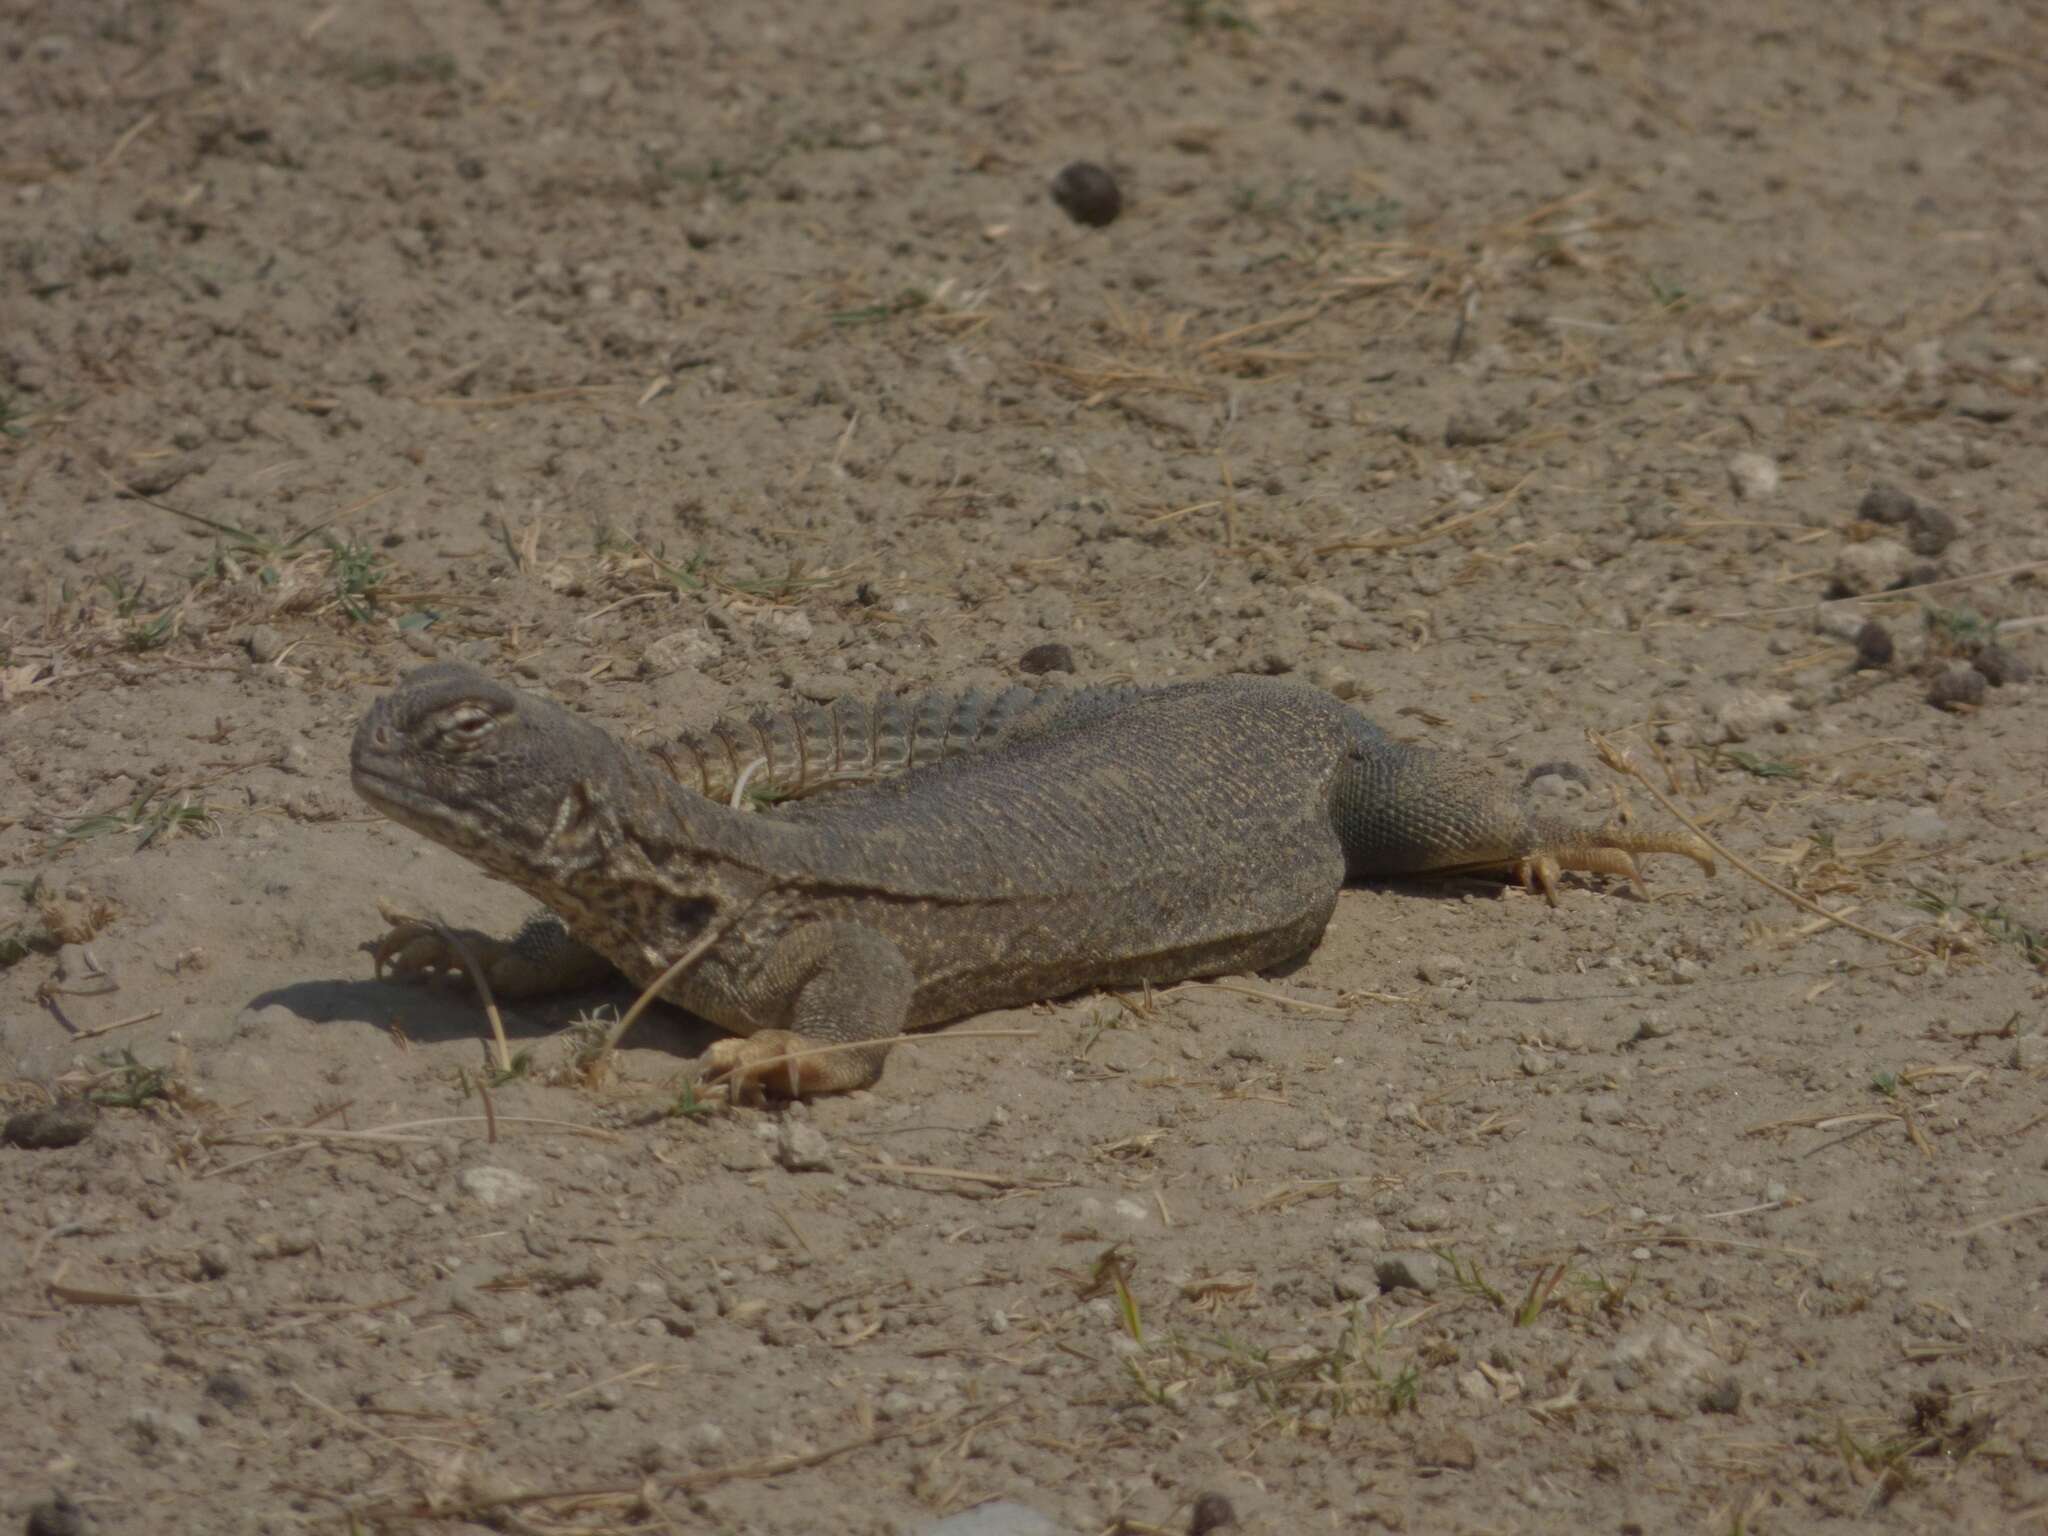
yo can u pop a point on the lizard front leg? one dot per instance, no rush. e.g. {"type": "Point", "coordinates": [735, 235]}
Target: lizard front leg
{"type": "Point", "coordinates": [838, 984]}
{"type": "Point", "coordinates": [542, 957]}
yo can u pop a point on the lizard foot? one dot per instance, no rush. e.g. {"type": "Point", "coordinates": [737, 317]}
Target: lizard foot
{"type": "Point", "coordinates": [416, 949]}
{"type": "Point", "coordinates": [773, 1064]}
{"type": "Point", "coordinates": [1610, 849]}
{"type": "Point", "coordinates": [539, 959]}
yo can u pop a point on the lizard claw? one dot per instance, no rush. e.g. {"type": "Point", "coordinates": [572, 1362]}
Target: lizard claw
{"type": "Point", "coordinates": [782, 1064]}
{"type": "Point", "coordinates": [751, 1067]}
{"type": "Point", "coordinates": [1604, 850]}
{"type": "Point", "coordinates": [419, 949]}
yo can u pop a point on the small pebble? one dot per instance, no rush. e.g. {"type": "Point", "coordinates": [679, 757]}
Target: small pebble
{"type": "Point", "coordinates": [1876, 565]}
{"type": "Point", "coordinates": [1354, 1285]}
{"type": "Point", "coordinates": [1752, 476]}
{"type": "Point", "coordinates": [1446, 1449]}
{"type": "Point", "coordinates": [494, 1187]}
{"type": "Point", "coordinates": [264, 645]}
{"type": "Point", "coordinates": [1933, 530]}
{"type": "Point", "coordinates": [1724, 1396]}
{"type": "Point", "coordinates": [1998, 666]}
{"type": "Point", "coordinates": [63, 1124]}
{"type": "Point", "coordinates": [1957, 688]}
{"type": "Point", "coordinates": [1407, 1272]}
{"type": "Point", "coordinates": [1050, 657]}
{"type": "Point", "coordinates": [1439, 970]}
{"type": "Point", "coordinates": [1886, 504]}
{"type": "Point", "coordinates": [228, 1389]}
{"type": "Point", "coordinates": [801, 1147]}
{"type": "Point", "coordinates": [1873, 646]}
{"type": "Point", "coordinates": [1212, 1513]}
{"type": "Point", "coordinates": [1088, 194]}
{"type": "Point", "coordinates": [56, 1517]}
{"type": "Point", "coordinates": [1923, 824]}
{"type": "Point", "coordinates": [1429, 1216]}
{"type": "Point", "coordinates": [1563, 772]}
{"type": "Point", "coordinates": [1751, 712]}
{"type": "Point", "coordinates": [1466, 430]}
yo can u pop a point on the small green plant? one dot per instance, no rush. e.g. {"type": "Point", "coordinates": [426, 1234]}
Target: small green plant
{"type": "Point", "coordinates": [1759, 767]}
{"type": "Point", "coordinates": [1887, 1461]}
{"type": "Point", "coordinates": [1466, 1277]}
{"type": "Point", "coordinates": [12, 415]}
{"type": "Point", "coordinates": [687, 1106]}
{"type": "Point", "coordinates": [135, 1084]}
{"type": "Point", "coordinates": [151, 817]}
{"type": "Point", "coordinates": [1382, 213]}
{"type": "Point", "coordinates": [1213, 15]}
{"type": "Point", "coordinates": [684, 576]}
{"type": "Point", "coordinates": [151, 636]}
{"type": "Point", "coordinates": [358, 572]}
{"type": "Point", "coordinates": [1990, 918]}
{"type": "Point", "coordinates": [1668, 295]}
{"type": "Point", "coordinates": [728, 181]}
{"type": "Point", "coordinates": [374, 72]}
{"type": "Point", "coordinates": [1400, 1392]}
{"type": "Point", "coordinates": [1886, 1083]}
{"type": "Point", "coordinates": [1540, 1290]}
{"type": "Point", "coordinates": [1117, 1269]}
{"type": "Point", "coordinates": [1957, 630]}
{"type": "Point", "coordinates": [1609, 1295]}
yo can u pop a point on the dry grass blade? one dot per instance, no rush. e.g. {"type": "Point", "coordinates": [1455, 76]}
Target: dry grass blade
{"type": "Point", "coordinates": [962, 1175]}
{"type": "Point", "coordinates": [108, 1029]}
{"type": "Point", "coordinates": [470, 965]}
{"type": "Point", "coordinates": [1275, 998]}
{"type": "Point", "coordinates": [689, 1482]}
{"type": "Point", "coordinates": [2010, 1219]}
{"type": "Point", "coordinates": [1621, 762]}
{"type": "Point", "coordinates": [1890, 594]}
{"type": "Point", "coordinates": [755, 1068]}
{"type": "Point", "coordinates": [531, 397]}
{"type": "Point", "coordinates": [89, 1296]}
{"type": "Point", "coordinates": [1413, 537]}
{"type": "Point", "coordinates": [678, 968]}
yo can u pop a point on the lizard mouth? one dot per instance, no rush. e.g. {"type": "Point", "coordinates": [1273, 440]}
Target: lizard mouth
{"type": "Point", "coordinates": [397, 799]}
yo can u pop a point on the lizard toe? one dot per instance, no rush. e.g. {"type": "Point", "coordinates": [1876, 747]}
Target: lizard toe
{"type": "Point", "coordinates": [418, 949]}
{"type": "Point", "coordinates": [753, 1067]}
{"type": "Point", "coordinates": [412, 952]}
{"type": "Point", "coordinates": [782, 1064]}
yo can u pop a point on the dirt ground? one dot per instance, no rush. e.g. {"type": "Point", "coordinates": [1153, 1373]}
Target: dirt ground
{"type": "Point", "coordinates": [1518, 369]}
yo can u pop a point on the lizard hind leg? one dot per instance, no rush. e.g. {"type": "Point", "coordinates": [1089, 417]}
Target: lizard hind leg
{"type": "Point", "coordinates": [1556, 844]}
{"type": "Point", "coordinates": [1402, 810]}
{"type": "Point", "coordinates": [844, 989]}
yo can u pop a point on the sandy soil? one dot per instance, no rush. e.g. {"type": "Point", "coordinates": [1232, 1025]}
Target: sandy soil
{"type": "Point", "coordinates": [1517, 368]}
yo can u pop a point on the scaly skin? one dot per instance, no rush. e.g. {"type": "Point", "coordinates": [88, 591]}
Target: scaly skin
{"type": "Point", "coordinates": [1101, 838]}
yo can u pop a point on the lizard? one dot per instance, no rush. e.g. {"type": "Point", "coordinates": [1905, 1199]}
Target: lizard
{"type": "Point", "coordinates": [1061, 840]}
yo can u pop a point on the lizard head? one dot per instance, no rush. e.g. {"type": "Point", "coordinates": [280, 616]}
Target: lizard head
{"type": "Point", "coordinates": [483, 769]}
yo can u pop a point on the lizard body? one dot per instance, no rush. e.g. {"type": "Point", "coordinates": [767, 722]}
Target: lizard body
{"type": "Point", "coordinates": [1062, 841]}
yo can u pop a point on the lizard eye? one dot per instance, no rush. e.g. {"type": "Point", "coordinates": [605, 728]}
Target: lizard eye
{"type": "Point", "coordinates": [464, 728]}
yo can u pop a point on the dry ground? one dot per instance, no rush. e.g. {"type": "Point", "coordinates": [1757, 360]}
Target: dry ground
{"type": "Point", "coordinates": [1520, 368]}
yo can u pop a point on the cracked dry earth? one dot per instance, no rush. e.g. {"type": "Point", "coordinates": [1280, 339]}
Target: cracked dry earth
{"type": "Point", "coordinates": [1516, 369]}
